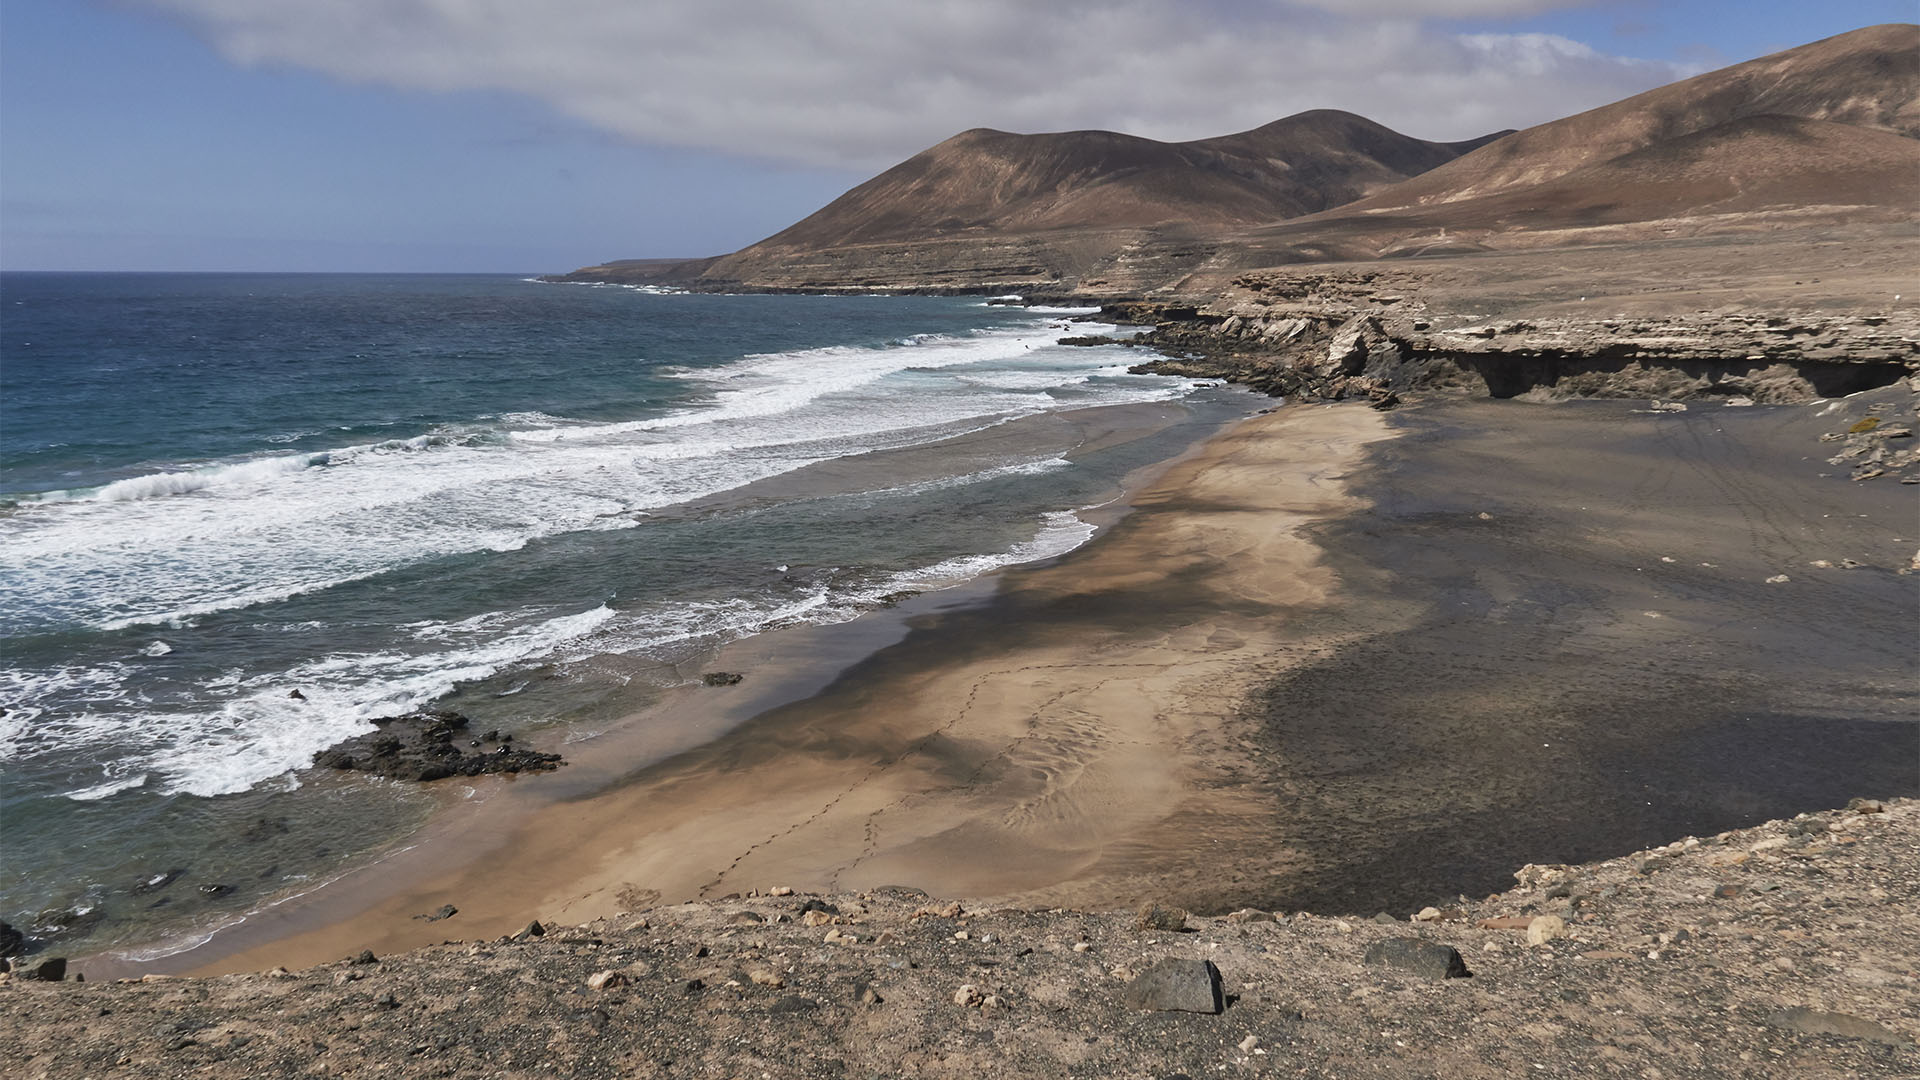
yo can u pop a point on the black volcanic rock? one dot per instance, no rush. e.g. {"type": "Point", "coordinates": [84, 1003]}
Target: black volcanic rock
{"type": "Point", "coordinates": [419, 746]}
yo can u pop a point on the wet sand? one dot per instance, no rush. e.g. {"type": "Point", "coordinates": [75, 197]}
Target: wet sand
{"type": "Point", "coordinates": [1599, 664]}
{"type": "Point", "coordinates": [1330, 660]}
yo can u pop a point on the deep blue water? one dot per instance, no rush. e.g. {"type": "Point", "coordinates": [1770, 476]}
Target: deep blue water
{"type": "Point", "coordinates": [390, 491]}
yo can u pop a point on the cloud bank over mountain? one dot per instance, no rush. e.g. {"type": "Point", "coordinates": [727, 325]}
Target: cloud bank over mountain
{"type": "Point", "coordinates": [859, 84]}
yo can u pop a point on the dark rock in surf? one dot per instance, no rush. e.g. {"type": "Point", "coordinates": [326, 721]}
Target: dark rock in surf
{"type": "Point", "coordinates": [159, 881]}
{"type": "Point", "coordinates": [419, 746]}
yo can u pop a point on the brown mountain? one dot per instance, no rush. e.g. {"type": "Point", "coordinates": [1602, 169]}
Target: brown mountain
{"type": "Point", "coordinates": [1866, 79]}
{"type": "Point", "coordinates": [1827, 132]}
{"type": "Point", "coordinates": [991, 209]}
{"type": "Point", "coordinates": [1823, 133]}
{"type": "Point", "coordinates": [994, 181]}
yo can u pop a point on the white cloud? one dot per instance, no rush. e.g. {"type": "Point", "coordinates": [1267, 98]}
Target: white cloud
{"type": "Point", "coordinates": [863, 83]}
{"type": "Point", "coordinates": [1441, 9]}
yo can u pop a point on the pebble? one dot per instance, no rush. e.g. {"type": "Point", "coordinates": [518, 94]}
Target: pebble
{"type": "Point", "coordinates": [606, 980]}
{"type": "Point", "coordinates": [1545, 928]}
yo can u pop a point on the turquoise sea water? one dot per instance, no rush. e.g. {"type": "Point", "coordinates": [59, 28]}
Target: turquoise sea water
{"type": "Point", "coordinates": [515, 498]}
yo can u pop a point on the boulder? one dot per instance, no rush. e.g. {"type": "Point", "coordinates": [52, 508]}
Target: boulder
{"type": "Point", "coordinates": [419, 746]}
{"type": "Point", "coordinates": [1160, 917]}
{"type": "Point", "coordinates": [1177, 986]}
{"type": "Point", "coordinates": [1424, 959]}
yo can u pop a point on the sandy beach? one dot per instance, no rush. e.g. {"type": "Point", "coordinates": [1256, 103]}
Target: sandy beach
{"type": "Point", "coordinates": [1331, 659]}
{"type": "Point", "coordinates": [1053, 734]}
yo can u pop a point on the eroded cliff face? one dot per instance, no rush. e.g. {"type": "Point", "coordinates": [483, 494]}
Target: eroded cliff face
{"type": "Point", "coordinates": [1364, 333]}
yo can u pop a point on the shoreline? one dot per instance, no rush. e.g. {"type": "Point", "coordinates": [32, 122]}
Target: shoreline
{"type": "Point", "coordinates": [565, 854]}
{"type": "Point", "coordinates": [782, 665]}
{"type": "Point", "coordinates": [1175, 710]}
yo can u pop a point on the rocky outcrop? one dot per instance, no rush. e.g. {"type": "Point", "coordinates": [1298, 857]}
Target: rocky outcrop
{"type": "Point", "coordinates": [1785, 950]}
{"type": "Point", "coordinates": [420, 746]}
{"type": "Point", "coordinates": [1349, 334]}
{"type": "Point", "coordinates": [1880, 441]}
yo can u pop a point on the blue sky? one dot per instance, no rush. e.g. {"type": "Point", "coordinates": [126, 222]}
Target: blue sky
{"type": "Point", "coordinates": [503, 136]}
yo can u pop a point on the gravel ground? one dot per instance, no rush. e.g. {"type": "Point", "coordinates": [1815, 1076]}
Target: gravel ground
{"type": "Point", "coordinates": [1787, 950]}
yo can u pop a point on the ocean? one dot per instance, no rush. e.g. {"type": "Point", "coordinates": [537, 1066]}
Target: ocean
{"type": "Point", "coordinates": [534, 503]}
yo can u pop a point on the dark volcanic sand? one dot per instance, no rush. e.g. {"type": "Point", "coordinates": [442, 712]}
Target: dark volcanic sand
{"type": "Point", "coordinates": [1559, 692]}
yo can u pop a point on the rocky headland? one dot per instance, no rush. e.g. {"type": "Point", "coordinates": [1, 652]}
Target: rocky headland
{"type": "Point", "coordinates": [1339, 333]}
{"type": "Point", "coordinates": [1785, 950]}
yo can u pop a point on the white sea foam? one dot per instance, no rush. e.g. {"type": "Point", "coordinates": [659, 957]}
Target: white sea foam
{"type": "Point", "coordinates": [713, 622]}
{"type": "Point", "coordinates": [1059, 533]}
{"type": "Point", "coordinates": [157, 485]}
{"type": "Point", "coordinates": [250, 730]}
{"type": "Point", "coordinates": [179, 544]}
{"type": "Point", "coordinates": [109, 787]}
{"type": "Point", "coordinates": [264, 530]}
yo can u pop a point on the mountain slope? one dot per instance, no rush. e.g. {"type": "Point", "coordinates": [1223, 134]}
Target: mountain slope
{"type": "Point", "coordinates": [985, 181]}
{"type": "Point", "coordinates": [1824, 134]}
{"type": "Point", "coordinates": [1868, 78]}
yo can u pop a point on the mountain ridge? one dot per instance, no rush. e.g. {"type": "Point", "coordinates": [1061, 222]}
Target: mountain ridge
{"type": "Point", "coordinates": [1826, 133]}
{"type": "Point", "coordinates": [988, 180]}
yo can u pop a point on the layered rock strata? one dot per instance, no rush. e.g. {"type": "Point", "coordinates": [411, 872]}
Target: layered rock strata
{"type": "Point", "coordinates": [1352, 334]}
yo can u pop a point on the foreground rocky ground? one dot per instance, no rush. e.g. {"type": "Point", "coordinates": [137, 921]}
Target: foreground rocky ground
{"type": "Point", "coordinates": [1787, 950]}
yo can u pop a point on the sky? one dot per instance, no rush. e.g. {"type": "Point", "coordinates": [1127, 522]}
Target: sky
{"type": "Point", "coordinates": [521, 136]}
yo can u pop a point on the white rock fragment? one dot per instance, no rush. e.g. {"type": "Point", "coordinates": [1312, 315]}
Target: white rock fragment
{"type": "Point", "coordinates": [1545, 928]}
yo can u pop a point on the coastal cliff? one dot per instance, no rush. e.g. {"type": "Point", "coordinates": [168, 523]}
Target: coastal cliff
{"type": "Point", "coordinates": [1328, 335]}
